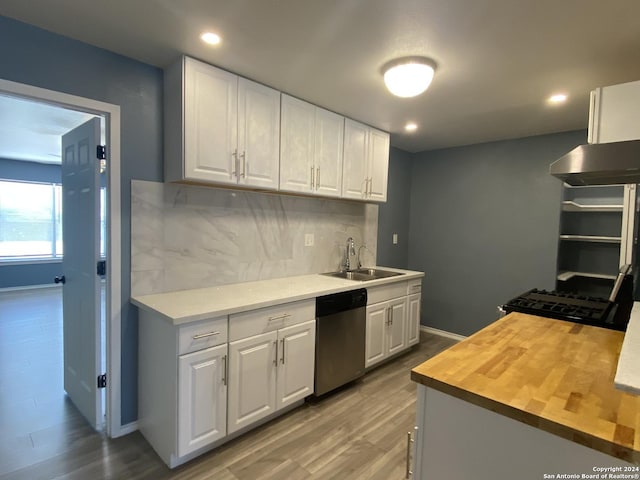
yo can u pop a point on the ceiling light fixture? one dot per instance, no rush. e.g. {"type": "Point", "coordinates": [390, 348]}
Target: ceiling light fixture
{"type": "Point", "coordinates": [408, 76]}
{"type": "Point", "coordinates": [558, 98]}
{"type": "Point", "coordinates": [411, 127]}
{"type": "Point", "coordinates": [210, 38]}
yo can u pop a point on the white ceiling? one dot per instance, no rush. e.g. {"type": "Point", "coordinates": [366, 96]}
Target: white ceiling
{"type": "Point", "coordinates": [498, 60]}
{"type": "Point", "coordinates": [33, 131]}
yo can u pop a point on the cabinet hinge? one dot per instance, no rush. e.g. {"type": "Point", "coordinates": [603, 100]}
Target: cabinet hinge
{"type": "Point", "coordinates": [102, 380]}
{"type": "Point", "coordinates": [101, 152]}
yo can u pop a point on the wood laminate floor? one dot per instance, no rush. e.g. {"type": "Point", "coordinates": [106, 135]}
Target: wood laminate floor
{"type": "Point", "coordinates": [358, 432]}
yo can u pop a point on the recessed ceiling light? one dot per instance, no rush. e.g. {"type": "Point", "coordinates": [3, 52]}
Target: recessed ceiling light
{"type": "Point", "coordinates": [411, 127]}
{"type": "Point", "coordinates": [558, 98]}
{"type": "Point", "coordinates": [210, 38]}
{"type": "Point", "coordinates": [408, 76]}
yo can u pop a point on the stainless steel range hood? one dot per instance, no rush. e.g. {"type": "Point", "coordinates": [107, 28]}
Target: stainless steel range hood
{"type": "Point", "coordinates": [600, 164]}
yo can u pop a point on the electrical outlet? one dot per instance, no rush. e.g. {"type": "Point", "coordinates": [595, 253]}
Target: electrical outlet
{"type": "Point", "coordinates": [308, 239]}
{"type": "Point", "coordinates": [395, 239]}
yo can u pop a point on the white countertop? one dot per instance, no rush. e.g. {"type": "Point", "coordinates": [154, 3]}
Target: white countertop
{"type": "Point", "coordinates": [628, 372]}
{"type": "Point", "coordinates": [191, 305]}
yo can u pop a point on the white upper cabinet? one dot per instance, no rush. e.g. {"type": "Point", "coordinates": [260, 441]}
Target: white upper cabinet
{"type": "Point", "coordinates": [311, 149]}
{"type": "Point", "coordinates": [258, 135]}
{"type": "Point", "coordinates": [614, 115]}
{"type": "Point", "coordinates": [366, 162]}
{"type": "Point", "coordinates": [220, 128]}
{"type": "Point", "coordinates": [296, 145]}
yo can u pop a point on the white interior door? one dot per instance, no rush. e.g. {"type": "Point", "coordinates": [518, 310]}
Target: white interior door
{"type": "Point", "coordinates": [81, 290]}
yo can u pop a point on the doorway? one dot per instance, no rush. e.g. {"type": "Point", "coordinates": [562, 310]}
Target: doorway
{"type": "Point", "coordinates": [112, 290]}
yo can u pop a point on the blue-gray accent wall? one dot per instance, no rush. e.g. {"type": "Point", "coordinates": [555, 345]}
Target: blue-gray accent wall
{"type": "Point", "coordinates": [34, 56]}
{"type": "Point", "coordinates": [393, 216]}
{"type": "Point", "coordinates": [484, 224]}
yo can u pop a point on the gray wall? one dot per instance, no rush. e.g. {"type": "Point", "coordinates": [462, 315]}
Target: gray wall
{"type": "Point", "coordinates": [25, 274]}
{"type": "Point", "coordinates": [33, 56]}
{"type": "Point", "coordinates": [484, 223]}
{"type": "Point", "coordinates": [393, 216]}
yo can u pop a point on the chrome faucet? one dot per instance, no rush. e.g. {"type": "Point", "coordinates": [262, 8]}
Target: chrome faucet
{"type": "Point", "coordinates": [351, 252]}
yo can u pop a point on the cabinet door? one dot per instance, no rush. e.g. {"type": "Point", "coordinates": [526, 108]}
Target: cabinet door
{"type": "Point", "coordinates": [210, 123]}
{"type": "Point", "coordinates": [413, 319]}
{"type": "Point", "coordinates": [258, 135]}
{"type": "Point", "coordinates": [329, 147]}
{"type": "Point", "coordinates": [376, 331]}
{"type": "Point", "coordinates": [396, 332]}
{"type": "Point", "coordinates": [295, 363]}
{"type": "Point", "coordinates": [297, 171]}
{"type": "Point", "coordinates": [252, 380]}
{"type": "Point", "coordinates": [614, 114]}
{"type": "Point", "coordinates": [202, 398]}
{"type": "Point", "coordinates": [378, 155]}
{"type": "Point", "coordinates": [354, 178]}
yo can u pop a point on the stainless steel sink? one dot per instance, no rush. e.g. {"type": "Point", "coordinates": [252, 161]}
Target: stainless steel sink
{"type": "Point", "coordinates": [377, 273]}
{"type": "Point", "coordinates": [363, 274]}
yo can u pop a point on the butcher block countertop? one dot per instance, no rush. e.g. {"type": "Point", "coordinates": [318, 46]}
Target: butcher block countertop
{"type": "Point", "coordinates": [553, 375]}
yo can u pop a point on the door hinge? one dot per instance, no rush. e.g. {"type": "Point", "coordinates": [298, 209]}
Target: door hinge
{"type": "Point", "coordinates": [102, 380]}
{"type": "Point", "coordinates": [101, 268]}
{"type": "Point", "coordinates": [101, 152]}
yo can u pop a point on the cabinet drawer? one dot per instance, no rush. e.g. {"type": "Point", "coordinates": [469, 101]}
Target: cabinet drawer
{"type": "Point", "coordinates": [414, 286]}
{"type": "Point", "coordinates": [255, 322]}
{"type": "Point", "coordinates": [199, 335]}
{"type": "Point", "coordinates": [386, 292]}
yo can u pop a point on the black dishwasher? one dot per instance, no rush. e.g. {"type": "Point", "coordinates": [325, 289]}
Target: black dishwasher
{"type": "Point", "coordinates": [340, 339]}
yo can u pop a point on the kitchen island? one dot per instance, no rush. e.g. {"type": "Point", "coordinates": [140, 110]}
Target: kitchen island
{"type": "Point", "coordinates": [525, 398]}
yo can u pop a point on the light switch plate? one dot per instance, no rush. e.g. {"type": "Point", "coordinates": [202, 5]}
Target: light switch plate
{"type": "Point", "coordinates": [395, 238]}
{"type": "Point", "coordinates": [308, 240]}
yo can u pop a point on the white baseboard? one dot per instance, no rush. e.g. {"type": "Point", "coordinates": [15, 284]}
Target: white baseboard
{"type": "Point", "coordinates": [31, 287]}
{"type": "Point", "coordinates": [442, 333]}
{"type": "Point", "coordinates": [125, 429]}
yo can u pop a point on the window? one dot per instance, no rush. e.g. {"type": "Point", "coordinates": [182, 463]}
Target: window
{"type": "Point", "coordinates": [30, 220]}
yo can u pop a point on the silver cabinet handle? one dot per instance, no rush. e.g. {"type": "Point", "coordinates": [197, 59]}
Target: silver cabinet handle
{"type": "Point", "coordinates": [370, 185]}
{"type": "Point", "coordinates": [313, 178]}
{"type": "Point", "coordinates": [224, 370]}
{"type": "Point", "coordinates": [205, 335]}
{"type": "Point", "coordinates": [275, 359]}
{"type": "Point", "coordinates": [408, 472]}
{"type": "Point", "coordinates": [282, 359]}
{"type": "Point", "coordinates": [244, 164]}
{"type": "Point", "coordinates": [317, 178]}
{"type": "Point", "coordinates": [234, 155]}
{"type": "Point", "coordinates": [391, 311]}
{"type": "Point", "coordinates": [388, 322]}
{"type": "Point", "coordinates": [279, 317]}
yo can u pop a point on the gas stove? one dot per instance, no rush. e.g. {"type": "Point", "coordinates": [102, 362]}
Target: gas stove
{"type": "Point", "coordinates": [610, 313]}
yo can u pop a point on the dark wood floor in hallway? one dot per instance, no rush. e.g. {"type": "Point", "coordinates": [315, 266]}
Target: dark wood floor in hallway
{"type": "Point", "coordinates": [358, 432]}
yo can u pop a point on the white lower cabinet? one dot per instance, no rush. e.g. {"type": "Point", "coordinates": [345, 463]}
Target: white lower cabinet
{"type": "Point", "coordinates": [413, 319]}
{"type": "Point", "coordinates": [385, 330]}
{"type": "Point", "coordinates": [296, 363]}
{"type": "Point", "coordinates": [182, 392]}
{"type": "Point", "coordinates": [202, 398]}
{"type": "Point", "coordinates": [252, 376]}
{"type": "Point", "coordinates": [272, 370]}
{"type": "Point", "coordinates": [393, 320]}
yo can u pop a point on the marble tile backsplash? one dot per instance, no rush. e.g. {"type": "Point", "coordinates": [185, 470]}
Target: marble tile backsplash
{"type": "Point", "coordinates": [185, 236]}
